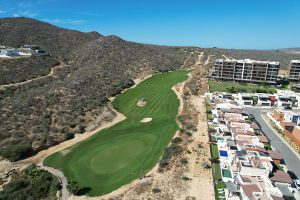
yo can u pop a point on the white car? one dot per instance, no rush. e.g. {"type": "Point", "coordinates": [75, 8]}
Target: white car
{"type": "Point", "coordinates": [297, 184]}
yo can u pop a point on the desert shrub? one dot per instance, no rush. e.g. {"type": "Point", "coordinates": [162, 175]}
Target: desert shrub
{"type": "Point", "coordinates": [173, 149]}
{"type": "Point", "coordinates": [180, 118]}
{"type": "Point", "coordinates": [188, 133]}
{"type": "Point", "coordinates": [190, 126]}
{"type": "Point", "coordinates": [177, 140]}
{"type": "Point", "coordinates": [156, 190]}
{"type": "Point", "coordinates": [69, 135]}
{"type": "Point", "coordinates": [268, 147]}
{"type": "Point", "coordinates": [183, 160]}
{"type": "Point", "coordinates": [33, 183]}
{"type": "Point", "coordinates": [17, 151]}
{"type": "Point", "coordinates": [163, 162]}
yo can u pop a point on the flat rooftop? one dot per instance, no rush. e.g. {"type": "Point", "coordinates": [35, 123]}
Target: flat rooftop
{"type": "Point", "coordinates": [295, 61]}
{"type": "Point", "coordinates": [248, 61]}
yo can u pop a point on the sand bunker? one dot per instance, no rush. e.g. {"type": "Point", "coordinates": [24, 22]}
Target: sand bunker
{"type": "Point", "coordinates": [145, 120]}
{"type": "Point", "coordinates": [141, 102]}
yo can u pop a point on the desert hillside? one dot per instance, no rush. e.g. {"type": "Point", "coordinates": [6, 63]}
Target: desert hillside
{"type": "Point", "coordinates": [84, 69]}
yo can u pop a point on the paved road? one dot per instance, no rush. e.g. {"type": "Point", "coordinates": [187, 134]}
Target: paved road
{"type": "Point", "coordinates": [291, 159]}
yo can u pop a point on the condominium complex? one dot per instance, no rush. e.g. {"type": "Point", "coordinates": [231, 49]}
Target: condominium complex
{"type": "Point", "coordinates": [294, 70]}
{"type": "Point", "coordinates": [246, 70]}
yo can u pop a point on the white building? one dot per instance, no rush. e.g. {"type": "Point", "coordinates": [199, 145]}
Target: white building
{"type": "Point", "coordinates": [294, 70]}
{"type": "Point", "coordinates": [9, 52]}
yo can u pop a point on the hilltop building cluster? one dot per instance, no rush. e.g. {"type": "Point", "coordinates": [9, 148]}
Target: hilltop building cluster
{"type": "Point", "coordinates": [26, 50]}
{"type": "Point", "coordinates": [250, 166]}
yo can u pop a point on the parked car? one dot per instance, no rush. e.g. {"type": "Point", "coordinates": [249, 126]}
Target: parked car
{"type": "Point", "coordinates": [288, 108]}
{"type": "Point", "coordinates": [292, 175]}
{"type": "Point", "coordinates": [297, 184]}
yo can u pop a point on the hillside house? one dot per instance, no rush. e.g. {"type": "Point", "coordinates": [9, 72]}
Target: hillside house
{"type": "Point", "coordinates": [9, 52]}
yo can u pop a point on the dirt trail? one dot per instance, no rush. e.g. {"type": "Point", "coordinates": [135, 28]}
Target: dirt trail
{"type": "Point", "coordinates": [201, 184]}
{"type": "Point", "coordinates": [52, 71]}
{"type": "Point", "coordinates": [207, 60]}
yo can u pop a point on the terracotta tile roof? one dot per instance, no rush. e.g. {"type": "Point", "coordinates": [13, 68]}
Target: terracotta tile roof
{"type": "Point", "coordinates": [275, 155]}
{"type": "Point", "coordinates": [282, 177]}
{"type": "Point", "coordinates": [250, 189]}
{"type": "Point", "coordinates": [261, 149]}
{"type": "Point", "coordinates": [242, 133]}
{"type": "Point", "coordinates": [250, 133]}
{"type": "Point", "coordinates": [289, 124]}
{"type": "Point", "coordinates": [242, 142]}
{"type": "Point", "coordinates": [254, 126]}
{"type": "Point", "coordinates": [263, 139]}
{"type": "Point", "coordinates": [246, 179]}
{"type": "Point", "coordinates": [257, 148]}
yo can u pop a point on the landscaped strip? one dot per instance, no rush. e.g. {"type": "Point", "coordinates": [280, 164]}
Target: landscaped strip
{"type": "Point", "coordinates": [124, 152]}
{"type": "Point", "coordinates": [235, 87]}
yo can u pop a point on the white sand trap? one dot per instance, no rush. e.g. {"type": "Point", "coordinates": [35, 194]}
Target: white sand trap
{"type": "Point", "coordinates": [145, 120]}
{"type": "Point", "coordinates": [142, 102]}
{"type": "Point", "coordinates": [65, 151]}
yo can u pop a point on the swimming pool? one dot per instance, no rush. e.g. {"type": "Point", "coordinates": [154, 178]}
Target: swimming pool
{"type": "Point", "coordinates": [223, 153]}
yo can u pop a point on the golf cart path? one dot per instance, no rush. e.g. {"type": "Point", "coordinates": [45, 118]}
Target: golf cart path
{"type": "Point", "coordinates": [62, 179]}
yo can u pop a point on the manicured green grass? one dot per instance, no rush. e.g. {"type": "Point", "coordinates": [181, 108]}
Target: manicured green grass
{"type": "Point", "coordinates": [234, 87]}
{"type": "Point", "coordinates": [218, 186]}
{"type": "Point", "coordinates": [218, 183]}
{"type": "Point", "coordinates": [214, 151]}
{"type": "Point", "coordinates": [217, 171]}
{"type": "Point", "coordinates": [124, 152]}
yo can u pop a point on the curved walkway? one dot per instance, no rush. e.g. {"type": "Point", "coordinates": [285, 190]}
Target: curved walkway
{"type": "Point", "coordinates": [63, 180]}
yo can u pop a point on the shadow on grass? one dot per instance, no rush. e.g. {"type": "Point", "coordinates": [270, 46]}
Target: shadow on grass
{"type": "Point", "coordinates": [83, 191]}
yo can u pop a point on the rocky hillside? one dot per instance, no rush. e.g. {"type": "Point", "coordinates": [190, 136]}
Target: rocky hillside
{"type": "Point", "coordinates": [19, 70]}
{"type": "Point", "coordinates": [57, 41]}
{"type": "Point", "coordinates": [43, 113]}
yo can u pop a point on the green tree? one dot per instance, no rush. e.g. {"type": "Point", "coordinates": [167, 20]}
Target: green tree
{"type": "Point", "coordinates": [73, 186]}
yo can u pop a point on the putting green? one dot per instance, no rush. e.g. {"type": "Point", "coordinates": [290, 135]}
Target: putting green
{"type": "Point", "coordinates": [124, 152]}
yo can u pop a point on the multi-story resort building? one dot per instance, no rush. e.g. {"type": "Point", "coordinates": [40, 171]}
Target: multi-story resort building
{"type": "Point", "coordinates": [246, 71]}
{"type": "Point", "coordinates": [294, 70]}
